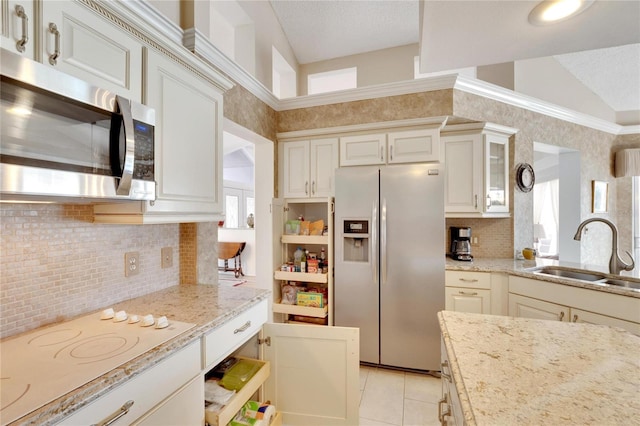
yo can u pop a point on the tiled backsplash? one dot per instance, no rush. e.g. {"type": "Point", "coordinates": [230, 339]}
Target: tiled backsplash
{"type": "Point", "coordinates": [56, 263]}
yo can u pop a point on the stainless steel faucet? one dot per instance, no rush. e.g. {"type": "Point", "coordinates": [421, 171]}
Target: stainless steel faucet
{"type": "Point", "coordinates": [616, 264]}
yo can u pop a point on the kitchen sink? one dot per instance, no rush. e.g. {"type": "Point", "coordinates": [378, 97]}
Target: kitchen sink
{"type": "Point", "coordinates": [634, 285]}
{"type": "Point", "coordinates": [559, 271]}
{"type": "Point", "coordinates": [588, 276]}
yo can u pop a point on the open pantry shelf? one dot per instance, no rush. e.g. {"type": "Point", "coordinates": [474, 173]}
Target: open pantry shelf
{"type": "Point", "coordinates": [301, 277]}
{"type": "Point", "coordinates": [306, 311]}
{"type": "Point", "coordinates": [305, 239]}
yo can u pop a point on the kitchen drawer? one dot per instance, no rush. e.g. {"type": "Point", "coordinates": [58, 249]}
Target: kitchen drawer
{"type": "Point", "coordinates": [234, 405]}
{"type": "Point", "coordinates": [225, 339]}
{"type": "Point", "coordinates": [468, 279]}
{"type": "Point", "coordinates": [146, 390]}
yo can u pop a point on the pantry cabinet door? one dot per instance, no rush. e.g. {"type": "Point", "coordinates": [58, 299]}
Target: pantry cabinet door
{"type": "Point", "coordinates": [314, 373]}
{"type": "Point", "coordinates": [323, 161]}
{"type": "Point", "coordinates": [296, 169]}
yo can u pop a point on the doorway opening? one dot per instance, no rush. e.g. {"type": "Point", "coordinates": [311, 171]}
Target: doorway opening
{"type": "Point", "coordinates": [556, 201]}
{"type": "Point", "coordinates": [248, 171]}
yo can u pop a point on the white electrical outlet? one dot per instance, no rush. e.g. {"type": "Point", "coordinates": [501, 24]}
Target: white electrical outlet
{"type": "Point", "coordinates": [131, 263]}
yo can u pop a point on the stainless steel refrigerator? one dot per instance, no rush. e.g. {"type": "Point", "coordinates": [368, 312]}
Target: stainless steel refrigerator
{"type": "Point", "coordinates": [390, 261]}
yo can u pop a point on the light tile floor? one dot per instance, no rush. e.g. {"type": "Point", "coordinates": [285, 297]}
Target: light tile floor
{"type": "Point", "coordinates": [390, 397]}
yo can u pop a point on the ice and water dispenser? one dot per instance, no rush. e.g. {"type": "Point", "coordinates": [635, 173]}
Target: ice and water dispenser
{"type": "Point", "coordinates": [355, 240]}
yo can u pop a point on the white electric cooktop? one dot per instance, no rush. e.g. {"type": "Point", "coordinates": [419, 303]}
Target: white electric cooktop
{"type": "Point", "coordinates": [42, 365]}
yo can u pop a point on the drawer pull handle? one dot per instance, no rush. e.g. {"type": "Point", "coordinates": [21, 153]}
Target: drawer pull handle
{"type": "Point", "coordinates": [575, 318]}
{"type": "Point", "coordinates": [25, 28]}
{"type": "Point", "coordinates": [445, 364]}
{"type": "Point", "coordinates": [467, 280]}
{"type": "Point", "coordinates": [441, 414]}
{"type": "Point", "coordinates": [116, 415]}
{"type": "Point", "coordinates": [468, 293]}
{"type": "Point", "coordinates": [561, 315]}
{"type": "Point", "coordinates": [243, 328]}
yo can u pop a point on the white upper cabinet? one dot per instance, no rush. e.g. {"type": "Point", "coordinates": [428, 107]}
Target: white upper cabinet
{"type": "Point", "coordinates": [308, 168]}
{"type": "Point", "coordinates": [408, 146]}
{"type": "Point", "coordinates": [77, 41]}
{"type": "Point", "coordinates": [476, 170]}
{"type": "Point", "coordinates": [17, 27]}
{"type": "Point", "coordinates": [360, 150]}
{"type": "Point", "coordinates": [188, 151]}
{"type": "Point", "coordinates": [414, 146]}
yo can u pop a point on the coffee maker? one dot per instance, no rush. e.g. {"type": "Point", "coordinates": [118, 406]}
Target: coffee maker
{"type": "Point", "coordinates": [460, 243]}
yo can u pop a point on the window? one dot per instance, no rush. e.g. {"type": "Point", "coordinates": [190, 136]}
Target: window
{"type": "Point", "coordinates": [239, 203]}
{"type": "Point", "coordinates": [332, 81]}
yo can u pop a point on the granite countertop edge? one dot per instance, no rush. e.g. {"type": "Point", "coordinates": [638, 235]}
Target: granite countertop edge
{"type": "Point", "coordinates": [522, 268]}
{"type": "Point", "coordinates": [66, 405]}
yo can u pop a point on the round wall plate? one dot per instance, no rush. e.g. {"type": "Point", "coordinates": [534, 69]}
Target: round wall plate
{"type": "Point", "coordinates": [525, 177]}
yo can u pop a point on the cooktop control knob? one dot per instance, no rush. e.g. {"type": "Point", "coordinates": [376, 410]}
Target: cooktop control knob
{"type": "Point", "coordinates": [107, 314]}
{"type": "Point", "coordinates": [120, 316]}
{"type": "Point", "coordinates": [148, 320]}
{"type": "Point", "coordinates": [162, 322]}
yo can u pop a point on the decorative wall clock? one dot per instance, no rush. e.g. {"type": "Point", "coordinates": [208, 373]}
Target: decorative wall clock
{"type": "Point", "coordinates": [525, 177]}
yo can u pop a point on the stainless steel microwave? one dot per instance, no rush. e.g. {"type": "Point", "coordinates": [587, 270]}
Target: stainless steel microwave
{"type": "Point", "coordinates": [64, 139]}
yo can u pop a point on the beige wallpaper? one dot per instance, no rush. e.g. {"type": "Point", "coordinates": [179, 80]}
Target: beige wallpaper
{"type": "Point", "coordinates": [57, 264]}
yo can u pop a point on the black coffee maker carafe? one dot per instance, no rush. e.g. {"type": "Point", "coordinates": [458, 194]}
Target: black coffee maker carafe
{"type": "Point", "coordinates": [460, 243]}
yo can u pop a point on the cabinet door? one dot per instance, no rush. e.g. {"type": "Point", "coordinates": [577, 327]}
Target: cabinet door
{"type": "Point", "coordinates": [471, 300]}
{"type": "Point", "coordinates": [91, 48]}
{"type": "Point", "coordinates": [184, 408]}
{"type": "Point", "coordinates": [578, 315]}
{"type": "Point", "coordinates": [414, 146]}
{"type": "Point", "coordinates": [17, 27]}
{"type": "Point", "coordinates": [188, 139]}
{"type": "Point", "coordinates": [296, 169]}
{"type": "Point", "coordinates": [323, 163]}
{"type": "Point", "coordinates": [463, 173]}
{"type": "Point", "coordinates": [314, 373]}
{"type": "Point", "coordinates": [496, 173]}
{"type": "Point", "coordinates": [526, 307]}
{"type": "Point", "coordinates": [363, 149]}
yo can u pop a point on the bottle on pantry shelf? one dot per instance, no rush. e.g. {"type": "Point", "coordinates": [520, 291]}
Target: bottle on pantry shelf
{"type": "Point", "coordinates": [321, 260]}
{"type": "Point", "coordinates": [297, 259]}
{"type": "Point", "coordinates": [303, 261]}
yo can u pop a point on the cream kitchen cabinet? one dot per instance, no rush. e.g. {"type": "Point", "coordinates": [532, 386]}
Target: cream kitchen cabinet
{"type": "Point", "coordinates": [476, 170]}
{"type": "Point", "coordinates": [545, 300]}
{"type": "Point", "coordinates": [78, 41]}
{"type": "Point", "coordinates": [294, 352]}
{"type": "Point", "coordinates": [468, 292]}
{"type": "Point", "coordinates": [308, 168]}
{"type": "Point", "coordinates": [188, 149]}
{"type": "Point", "coordinates": [159, 384]}
{"type": "Point", "coordinates": [403, 146]}
{"type": "Point", "coordinates": [17, 27]}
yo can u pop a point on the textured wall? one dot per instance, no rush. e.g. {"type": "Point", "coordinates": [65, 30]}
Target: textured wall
{"type": "Point", "coordinates": [623, 199]}
{"type": "Point", "coordinates": [418, 105]}
{"type": "Point", "coordinates": [57, 264]}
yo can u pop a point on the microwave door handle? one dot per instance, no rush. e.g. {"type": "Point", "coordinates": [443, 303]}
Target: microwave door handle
{"type": "Point", "coordinates": [124, 186]}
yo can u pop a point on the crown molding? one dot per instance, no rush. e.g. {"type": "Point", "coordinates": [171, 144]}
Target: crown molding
{"type": "Point", "coordinates": [200, 45]}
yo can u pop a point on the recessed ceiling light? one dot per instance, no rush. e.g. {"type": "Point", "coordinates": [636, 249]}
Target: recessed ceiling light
{"type": "Point", "coordinates": [551, 11]}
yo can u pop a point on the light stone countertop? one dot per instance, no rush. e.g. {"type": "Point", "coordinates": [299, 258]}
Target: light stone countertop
{"type": "Point", "coordinates": [519, 371]}
{"type": "Point", "coordinates": [207, 306]}
{"type": "Point", "coordinates": [520, 268]}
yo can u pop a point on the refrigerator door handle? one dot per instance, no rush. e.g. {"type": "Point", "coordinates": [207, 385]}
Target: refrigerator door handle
{"type": "Point", "coordinates": [374, 242]}
{"type": "Point", "coordinates": [383, 242]}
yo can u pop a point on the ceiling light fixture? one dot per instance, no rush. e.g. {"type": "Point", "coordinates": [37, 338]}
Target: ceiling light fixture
{"type": "Point", "coordinates": [551, 11]}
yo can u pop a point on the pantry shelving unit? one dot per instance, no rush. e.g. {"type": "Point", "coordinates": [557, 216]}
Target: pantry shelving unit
{"type": "Point", "coordinates": [311, 209]}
